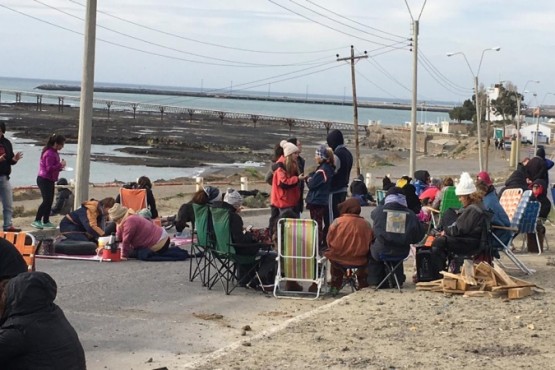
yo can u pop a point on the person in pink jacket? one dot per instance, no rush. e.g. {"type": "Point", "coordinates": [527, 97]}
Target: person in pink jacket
{"type": "Point", "coordinates": [135, 232]}
{"type": "Point", "coordinates": [49, 170]}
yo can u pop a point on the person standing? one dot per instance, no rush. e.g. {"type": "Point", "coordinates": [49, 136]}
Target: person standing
{"type": "Point", "coordinates": [49, 170]}
{"type": "Point", "coordinates": [300, 163]}
{"type": "Point", "coordinates": [340, 181]}
{"type": "Point", "coordinates": [7, 160]}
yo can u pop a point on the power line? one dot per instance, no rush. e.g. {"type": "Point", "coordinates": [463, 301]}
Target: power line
{"type": "Point", "coordinates": [342, 23]}
{"type": "Point", "coordinates": [239, 63]}
{"type": "Point", "coordinates": [373, 61]}
{"type": "Point", "coordinates": [205, 42]}
{"type": "Point", "coordinates": [361, 24]}
{"type": "Point", "coordinates": [427, 61]}
{"type": "Point", "coordinates": [332, 28]}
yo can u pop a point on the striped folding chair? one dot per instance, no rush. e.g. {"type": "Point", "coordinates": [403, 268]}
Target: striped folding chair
{"type": "Point", "coordinates": [298, 258]}
{"type": "Point", "coordinates": [26, 244]}
{"type": "Point", "coordinates": [509, 201]}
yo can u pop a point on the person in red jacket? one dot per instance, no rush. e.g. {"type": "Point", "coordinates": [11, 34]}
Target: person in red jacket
{"type": "Point", "coordinates": [286, 181]}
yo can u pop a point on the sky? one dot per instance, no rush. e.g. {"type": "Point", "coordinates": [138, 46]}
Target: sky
{"type": "Point", "coordinates": [288, 46]}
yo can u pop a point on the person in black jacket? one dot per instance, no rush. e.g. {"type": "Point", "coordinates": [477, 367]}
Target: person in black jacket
{"type": "Point", "coordinates": [391, 238]}
{"type": "Point", "coordinates": [34, 332]}
{"type": "Point", "coordinates": [7, 159]}
{"type": "Point", "coordinates": [64, 199]}
{"type": "Point", "coordinates": [11, 261]}
{"type": "Point", "coordinates": [539, 192]}
{"type": "Point", "coordinates": [340, 181]}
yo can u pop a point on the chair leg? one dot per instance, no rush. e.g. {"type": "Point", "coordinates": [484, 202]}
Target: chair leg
{"type": "Point", "coordinates": [391, 269]}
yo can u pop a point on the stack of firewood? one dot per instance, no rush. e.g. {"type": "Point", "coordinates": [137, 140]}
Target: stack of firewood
{"type": "Point", "coordinates": [480, 280]}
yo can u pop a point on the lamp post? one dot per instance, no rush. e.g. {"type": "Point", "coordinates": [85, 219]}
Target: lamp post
{"type": "Point", "coordinates": [478, 115]}
{"type": "Point", "coordinates": [518, 120]}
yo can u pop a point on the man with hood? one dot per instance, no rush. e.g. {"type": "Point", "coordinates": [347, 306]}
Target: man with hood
{"type": "Point", "coordinates": [340, 181]}
{"type": "Point", "coordinates": [34, 332]}
{"type": "Point", "coordinates": [539, 192]}
{"type": "Point", "coordinates": [422, 180]}
{"type": "Point", "coordinates": [536, 168]}
{"type": "Point", "coordinates": [396, 227]}
{"type": "Point", "coordinates": [64, 199]}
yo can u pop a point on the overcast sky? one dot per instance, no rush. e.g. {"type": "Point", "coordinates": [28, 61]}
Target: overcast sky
{"type": "Point", "coordinates": [287, 45]}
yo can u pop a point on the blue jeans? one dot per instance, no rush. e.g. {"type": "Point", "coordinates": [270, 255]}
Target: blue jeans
{"type": "Point", "coordinates": [6, 195]}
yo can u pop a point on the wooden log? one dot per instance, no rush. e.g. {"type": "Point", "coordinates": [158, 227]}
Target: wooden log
{"type": "Point", "coordinates": [502, 277]}
{"type": "Point", "coordinates": [468, 272]}
{"type": "Point", "coordinates": [449, 283]}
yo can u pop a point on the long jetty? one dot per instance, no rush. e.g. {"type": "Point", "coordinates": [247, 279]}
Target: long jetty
{"type": "Point", "coordinates": [220, 95]}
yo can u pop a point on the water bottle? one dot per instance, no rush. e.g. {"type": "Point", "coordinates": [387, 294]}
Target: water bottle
{"type": "Point", "coordinates": [112, 243]}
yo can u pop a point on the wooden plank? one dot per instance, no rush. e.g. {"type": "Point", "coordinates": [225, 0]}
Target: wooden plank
{"type": "Point", "coordinates": [449, 283]}
{"type": "Point", "coordinates": [477, 293]}
{"type": "Point", "coordinates": [450, 275]}
{"type": "Point", "coordinates": [506, 287]}
{"type": "Point", "coordinates": [502, 277]}
{"type": "Point", "coordinates": [467, 272]}
{"type": "Point", "coordinates": [517, 293]}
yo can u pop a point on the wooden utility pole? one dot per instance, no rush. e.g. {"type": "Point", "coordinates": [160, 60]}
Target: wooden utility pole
{"type": "Point", "coordinates": [352, 59]}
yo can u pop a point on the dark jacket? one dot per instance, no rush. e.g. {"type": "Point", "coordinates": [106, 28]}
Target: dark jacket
{"type": "Point", "coordinates": [413, 202]}
{"type": "Point", "coordinates": [468, 228]}
{"type": "Point", "coordinates": [185, 214]}
{"type": "Point", "coordinates": [545, 204]}
{"type": "Point", "coordinates": [7, 149]}
{"type": "Point", "coordinates": [517, 179]}
{"type": "Point", "coordinates": [34, 332]}
{"type": "Point", "coordinates": [536, 168]}
{"type": "Point", "coordinates": [64, 202]}
{"type": "Point", "coordinates": [342, 175]}
{"type": "Point", "coordinates": [11, 261]}
{"type": "Point", "coordinates": [235, 224]}
{"type": "Point", "coordinates": [319, 185]}
{"type": "Point", "coordinates": [88, 219]}
{"type": "Point", "coordinates": [394, 243]}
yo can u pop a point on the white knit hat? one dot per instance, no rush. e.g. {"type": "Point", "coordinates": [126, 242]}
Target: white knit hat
{"type": "Point", "coordinates": [288, 148]}
{"type": "Point", "coordinates": [466, 185]}
{"type": "Point", "coordinates": [233, 197]}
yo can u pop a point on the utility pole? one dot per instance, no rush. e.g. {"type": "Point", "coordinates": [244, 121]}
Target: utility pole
{"type": "Point", "coordinates": [82, 174]}
{"type": "Point", "coordinates": [353, 59]}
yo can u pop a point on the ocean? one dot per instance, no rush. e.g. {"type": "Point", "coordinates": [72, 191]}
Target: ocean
{"type": "Point", "coordinates": [24, 173]}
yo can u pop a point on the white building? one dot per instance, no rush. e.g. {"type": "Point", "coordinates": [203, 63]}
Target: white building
{"type": "Point", "coordinates": [545, 132]}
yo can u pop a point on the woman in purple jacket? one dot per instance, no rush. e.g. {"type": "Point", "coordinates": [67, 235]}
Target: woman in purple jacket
{"type": "Point", "coordinates": [49, 169]}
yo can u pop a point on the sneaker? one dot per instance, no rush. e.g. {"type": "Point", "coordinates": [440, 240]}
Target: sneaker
{"type": "Point", "coordinates": [48, 225]}
{"type": "Point", "coordinates": [12, 229]}
{"type": "Point", "coordinates": [37, 225]}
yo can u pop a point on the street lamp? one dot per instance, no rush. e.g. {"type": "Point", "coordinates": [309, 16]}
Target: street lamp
{"type": "Point", "coordinates": [518, 120]}
{"type": "Point", "coordinates": [478, 115]}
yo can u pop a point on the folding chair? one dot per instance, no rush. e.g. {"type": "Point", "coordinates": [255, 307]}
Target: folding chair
{"type": "Point", "coordinates": [223, 256]}
{"type": "Point", "coordinates": [26, 244]}
{"type": "Point", "coordinates": [380, 195]}
{"type": "Point", "coordinates": [134, 199]}
{"type": "Point", "coordinates": [529, 223]}
{"type": "Point", "coordinates": [517, 226]}
{"type": "Point", "coordinates": [450, 200]}
{"type": "Point", "coordinates": [298, 258]}
{"type": "Point", "coordinates": [509, 201]}
{"type": "Point", "coordinates": [200, 243]}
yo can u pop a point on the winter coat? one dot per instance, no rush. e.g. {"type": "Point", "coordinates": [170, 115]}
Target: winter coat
{"type": "Point", "coordinates": [6, 149]}
{"type": "Point", "coordinates": [50, 165]}
{"type": "Point", "coordinates": [88, 219]}
{"type": "Point", "coordinates": [517, 179]}
{"type": "Point", "coordinates": [500, 218]}
{"type": "Point", "coordinates": [238, 236]}
{"type": "Point", "coordinates": [319, 185]}
{"type": "Point", "coordinates": [34, 332]}
{"type": "Point", "coordinates": [343, 162]}
{"type": "Point", "coordinates": [64, 202]}
{"type": "Point", "coordinates": [11, 261]}
{"type": "Point", "coordinates": [394, 243]}
{"type": "Point", "coordinates": [545, 204]}
{"type": "Point", "coordinates": [286, 190]}
{"type": "Point", "coordinates": [349, 238]}
{"type": "Point", "coordinates": [466, 231]}
{"type": "Point", "coordinates": [536, 168]}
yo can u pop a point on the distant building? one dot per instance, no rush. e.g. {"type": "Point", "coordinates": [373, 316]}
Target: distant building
{"type": "Point", "coordinates": [545, 132]}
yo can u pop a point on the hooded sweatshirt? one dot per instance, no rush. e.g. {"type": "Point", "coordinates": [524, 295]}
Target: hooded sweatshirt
{"type": "Point", "coordinates": [11, 261]}
{"type": "Point", "coordinates": [343, 162]}
{"type": "Point", "coordinates": [34, 332]}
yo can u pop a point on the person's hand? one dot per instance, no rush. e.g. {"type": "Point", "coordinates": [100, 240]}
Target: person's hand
{"type": "Point", "coordinates": [302, 177]}
{"type": "Point", "coordinates": [18, 156]}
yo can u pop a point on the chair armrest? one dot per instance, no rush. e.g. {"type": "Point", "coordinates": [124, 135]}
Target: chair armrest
{"type": "Point", "coordinates": [431, 209]}
{"type": "Point", "coordinates": [503, 228]}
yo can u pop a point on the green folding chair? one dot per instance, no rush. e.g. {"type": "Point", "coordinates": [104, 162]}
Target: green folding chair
{"type": "Point", "coordinates": [450, 200]}
{"type": "Point", "coordinates": [200, 244]}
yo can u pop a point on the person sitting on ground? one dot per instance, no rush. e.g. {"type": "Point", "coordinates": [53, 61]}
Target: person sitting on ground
{"type": "Point", "coordinates": [395, 227]}
{"type": "Point", "coordinates": [539, 193]}
{"type": "Point", "coordinates": [465, 234]}
{"type": "Point", "coordinates": [34, 332]}
{"type": "Point", "coordinates": [349, 239]}
{"type": "Point", "coordinates": [186, 214]}
{"type": "Point", "coordinates": [491, 203]}
{"type": "Point", "coordinates": [88, 222]}
{"type": "Point", "coordinates": [319, 185]}
{"type": "Point", "coordinates": [135, 232]}
{"type": "Point", "coordinates": [448, 181]}
{"type": "Point", "coordinates": [359, 191]}
{"type": "Point", "coordinates": [421, 181]}
{"type": "Point", "coordinates": [64, 199]}
{"type": "Point", "coordinates": [144, 182]}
